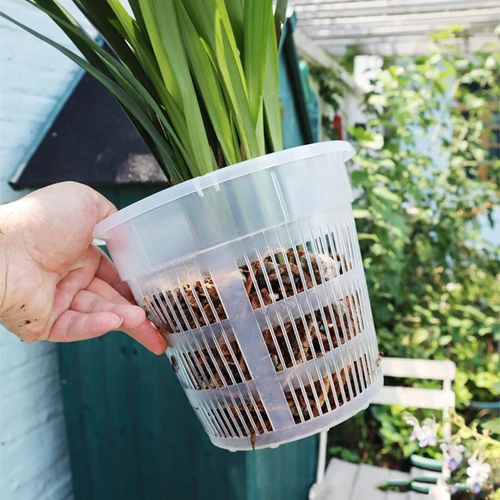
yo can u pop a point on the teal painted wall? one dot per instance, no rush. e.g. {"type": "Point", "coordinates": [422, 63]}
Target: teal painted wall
{"type": "Point", "coordinates": [292, 132]}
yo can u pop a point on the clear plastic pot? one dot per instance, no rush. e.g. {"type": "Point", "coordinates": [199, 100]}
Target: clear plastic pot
{"type": "Point", "coordinates": [254, 275]}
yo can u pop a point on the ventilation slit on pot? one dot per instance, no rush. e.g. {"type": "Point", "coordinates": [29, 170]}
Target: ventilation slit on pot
{"type": "Point", "coordinates": [159, 310]}
{"type": "Point", "coordinates": [260, 297]}
{"type": "Point", "coordinates": [360, 374]}
{"type": "Point", "coordinates": [277, 354]}
{"type": "Point", "coordinates": [361, 313]}
{"type": "Point", "coordinates": [226, 427]}
{"type": "Point", "coordinates": [204, 414]}
{"type": "Point", "coordinates": [209, 358]}
{"type": "Point", "coordinates": [336, 339]}
{"type": "Point", "coordinates": [305, 285]}
{"type": "Point", "coordinates": [295, 341]}
{"type": "Point", "coordinates": [242, 416]}
{"type": "Point", "coordinates": [201, 376]}
{"type": "Point", "coordinates": [347, 305]}
{"type": "Point", "coordinates": [186, 304]}
{"type": "Point", "coordinates": [279, 273]}
{"type": "Point", "coordinates": [311, 400]}
{"type": "Point", "coordinates": [205, 358]}
{"type": "Point", "coordinates": [180, 370]}
{"type": "Point", "coordinates": [236, 417]}
{"type": "Point", "coordinates": [338, 307]}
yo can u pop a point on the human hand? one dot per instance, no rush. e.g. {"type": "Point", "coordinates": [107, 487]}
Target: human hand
{"type": "Point", "coordinates": [54, 284]}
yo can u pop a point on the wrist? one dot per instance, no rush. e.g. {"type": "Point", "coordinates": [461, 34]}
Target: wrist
{"type": "Point", "coordinates": [4, 257]}
{"type": "Point", "coordinates": [10, 249]}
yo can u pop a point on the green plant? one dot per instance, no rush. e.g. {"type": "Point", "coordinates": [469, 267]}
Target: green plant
{"type": "Point", "coordinates": [199, 79]}
{"type": "Point", "coordinates": [469, 457]}
{"type": "Point", "coordinates": [419, 203]}
{"type": "Point", "coordinates": [332, 88]}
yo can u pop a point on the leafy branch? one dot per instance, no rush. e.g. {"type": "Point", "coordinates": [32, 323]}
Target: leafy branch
{"type": "Point", "coordinates": [425, 186]}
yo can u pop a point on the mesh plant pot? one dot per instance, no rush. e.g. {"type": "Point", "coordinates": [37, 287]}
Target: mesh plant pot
{"type": "Point", "coordinates": [253, 273]}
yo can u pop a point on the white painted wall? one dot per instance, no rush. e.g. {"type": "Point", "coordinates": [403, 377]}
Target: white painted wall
{"type": "Point", "coordinates": [34, 80]}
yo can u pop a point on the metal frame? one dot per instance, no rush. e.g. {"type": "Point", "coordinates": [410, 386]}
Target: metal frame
{"type": "Point", "coordinates": [394, 27]}
{"type": "Point", "coordinates": [440, 399]}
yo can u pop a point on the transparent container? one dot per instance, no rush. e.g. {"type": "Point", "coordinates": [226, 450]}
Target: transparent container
{"type": "Point", "coordinates": [254, 275]}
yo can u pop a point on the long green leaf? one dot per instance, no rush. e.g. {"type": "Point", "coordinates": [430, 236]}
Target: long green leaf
{"type": "Point", "coordinates": [132, 33]}
{"type": "Point", "coordinates": [59, 11]}
{"type": "Point", "coordinates": [272, 108]}
{"type": "Point", "coordinates": [236, 92]}
{"type": "Point", "coordinates": [201, 159]}
{"type": "Point", "coordinates": [208, 83]}
{"type": "Point", "coordinates": [279, 18]}
{"type": "Point", "coordinates": [167, 72]}
{"type": "Point", "coordinates": [136, 9]}
{"type": "Point", "coordinates": [124, 97]}
{"type": "Point", "coordinates": [58, 14]}
{"type": "Point", "coordinates": [102, 17]}
{"type": "Point", "coordinates": [258, 15]}
{"type": "Point", "coordinates": [174, 50]}
{"type": "Point", "coordinates": [236, 15]}
{"type": "Point", "coordinates": [212, 22]}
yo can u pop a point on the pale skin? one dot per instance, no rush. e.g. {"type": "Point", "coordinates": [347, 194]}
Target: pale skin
{"type": "Point", "coordinates": [54, 284]}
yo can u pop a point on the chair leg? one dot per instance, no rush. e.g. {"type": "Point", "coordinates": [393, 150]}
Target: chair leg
{"type": "Point", "coordinates": [322, 449]}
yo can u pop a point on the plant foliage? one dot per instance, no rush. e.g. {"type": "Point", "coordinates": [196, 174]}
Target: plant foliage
{"type": "Point", "coordinates": [419, 206]}
{"type": "Point", "coordinates": [198, 79]}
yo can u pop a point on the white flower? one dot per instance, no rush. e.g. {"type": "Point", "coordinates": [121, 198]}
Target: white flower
{"type": "Point", "coordinates": [442, 489]}
{"type": "Point", "coordinates": [450, 287]}
{"type": "Point", "coordinates": [453, 454]}
{"type": "Point", "coordinates": [478, 473]}
{"type": "Point", "coordinates": [425, 434]}
{"type": "Point", "coordinates": [409, 208]}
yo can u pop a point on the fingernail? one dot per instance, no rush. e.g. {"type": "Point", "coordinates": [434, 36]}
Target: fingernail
{"type": "Point", "coordinates": [120, 322]}
{"type": "Point", "coordinates": [161, 350]}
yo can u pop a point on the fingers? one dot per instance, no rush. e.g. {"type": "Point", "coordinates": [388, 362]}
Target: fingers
{"type": "Point", "coordinates": [72, 326]}
{"type": "Point", "coordinates": [107, 272]}
{"type": "Point", "coordinates": [149, 336]}
{"type": "Point", "coordinates": [100, 297]}
{"type": "Point", "coordinates": [77, 279]}
{"type": "Point", "coordinates": [104, 207]}
{"type": "Point", "coordinates": [88, 302]}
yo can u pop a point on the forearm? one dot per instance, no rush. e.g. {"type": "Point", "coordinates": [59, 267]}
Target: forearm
{"type": "Point", "coordinates": [12, 275]}
{"type": "Point", "coordinates": [5, 235]}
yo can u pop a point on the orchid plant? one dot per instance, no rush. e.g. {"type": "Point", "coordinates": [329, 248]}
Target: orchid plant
{"type": "Point", "coordinates": [198, 79]}
{"type": "Point", "coordinates": [468, 456]}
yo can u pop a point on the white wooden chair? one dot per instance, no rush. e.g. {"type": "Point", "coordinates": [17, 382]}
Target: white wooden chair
{"type": "Point", "coordinates": [347, 481]}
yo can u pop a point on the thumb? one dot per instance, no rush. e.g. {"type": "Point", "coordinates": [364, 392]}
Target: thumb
{"type": "Point", "coordinates": [104, 207]}
{"type": "Point", "coordinates": [59, 221]}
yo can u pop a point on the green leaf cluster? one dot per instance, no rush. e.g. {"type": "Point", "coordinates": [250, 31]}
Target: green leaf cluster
{"type": "Point", "coordinates": [198, 79]}
{"type": "Point", "coordinates": [419, 208]}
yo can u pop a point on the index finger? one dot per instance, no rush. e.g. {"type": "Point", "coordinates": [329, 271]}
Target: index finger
{"type": "Point", "coordinates": [106, 271]}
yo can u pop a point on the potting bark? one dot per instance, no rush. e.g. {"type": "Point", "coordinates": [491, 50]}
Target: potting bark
{"type": "Point", "coordinates": [282, 274]}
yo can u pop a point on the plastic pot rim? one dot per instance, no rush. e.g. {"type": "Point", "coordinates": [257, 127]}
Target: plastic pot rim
{"type": "Point", "coordinates": [220, 176]}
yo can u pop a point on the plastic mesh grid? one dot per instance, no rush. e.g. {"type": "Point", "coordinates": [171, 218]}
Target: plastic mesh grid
{"type": "Point", "coordinates": [305, 289]}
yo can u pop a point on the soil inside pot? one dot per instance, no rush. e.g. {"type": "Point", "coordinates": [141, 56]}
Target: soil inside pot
{"type": "Point", "coordinates": [273, 278]}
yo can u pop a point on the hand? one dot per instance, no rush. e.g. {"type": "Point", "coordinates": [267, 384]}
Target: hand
{"type": "Point", "coordinates": [54, 284]}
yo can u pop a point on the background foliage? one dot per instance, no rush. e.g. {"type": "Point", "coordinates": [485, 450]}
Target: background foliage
{"type": "Point", "coordinates": [419, 200]}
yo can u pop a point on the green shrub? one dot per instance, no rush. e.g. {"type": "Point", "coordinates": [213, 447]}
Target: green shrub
{"type": "Point", "coordinates": [432, 279]}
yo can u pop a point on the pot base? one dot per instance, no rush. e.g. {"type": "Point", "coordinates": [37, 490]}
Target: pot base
{"type": "Point", "coordinates": [306, 429]}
